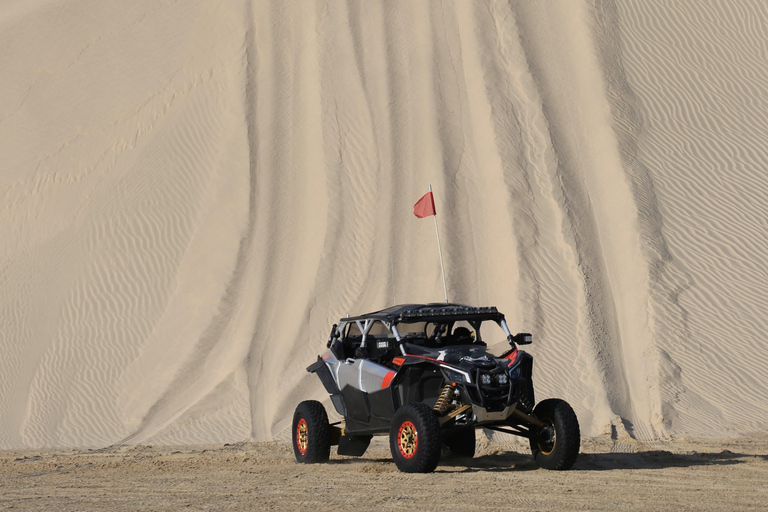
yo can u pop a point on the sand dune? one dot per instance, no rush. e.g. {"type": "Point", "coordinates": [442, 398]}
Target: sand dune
{"type": "Point", "coordinates": [192, 193]}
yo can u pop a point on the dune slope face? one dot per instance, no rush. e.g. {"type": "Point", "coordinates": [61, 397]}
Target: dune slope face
{"type": "Point", "coordinates": [193, 192]}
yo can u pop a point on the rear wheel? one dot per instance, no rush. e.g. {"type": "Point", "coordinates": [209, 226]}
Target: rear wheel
{"type": "Point", "coordinates": [414, 438]}
{"type": "Point", "coordinates": [311, 433]}
{"type": "Point", "coordinates": [556, 444]}
{"type": "Point", "coordinates": [462, 443]}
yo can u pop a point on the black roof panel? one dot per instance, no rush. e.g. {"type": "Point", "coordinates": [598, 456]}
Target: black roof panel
{"type": "Point", "coordinates": [433, 312]}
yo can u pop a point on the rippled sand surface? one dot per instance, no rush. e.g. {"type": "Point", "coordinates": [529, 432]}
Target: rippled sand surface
{"type": "Point", "coordinates": [192, 193]}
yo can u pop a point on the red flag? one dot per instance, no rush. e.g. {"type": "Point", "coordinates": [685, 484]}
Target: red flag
{"type": "Point", "coordinates": [425, 206]}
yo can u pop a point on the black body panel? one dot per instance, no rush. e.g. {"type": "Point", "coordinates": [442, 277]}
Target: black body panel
{"type": "Point", "coordinates": [353, 445]}
{"type": "Point", "coordinates": [419, 383]}
{"type": "Point", "coordinates": [358, 408]}
{"type": "Point", "coordinates": [382, 407]}
{"type": "Point", "coordinates": [320, 369]}
{"type": "Point", "coordinates": [368, 412]}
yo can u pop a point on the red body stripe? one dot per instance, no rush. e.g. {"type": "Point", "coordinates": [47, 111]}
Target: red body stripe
{"type": "Point", "coordinates": [512, 358]}
{"type": "Point", "coordinates": [435, 360]}
{"type": "Point", "coordinates": [387, 379]}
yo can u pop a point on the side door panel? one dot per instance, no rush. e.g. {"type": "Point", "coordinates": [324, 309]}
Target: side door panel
{"type": "Point", "coordinates": [368, 397]}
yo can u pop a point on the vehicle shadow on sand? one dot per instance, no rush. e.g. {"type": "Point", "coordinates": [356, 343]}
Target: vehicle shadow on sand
{"type": "Point", "coordinates": [513, 461]}
{"type": "Point", "coordinates": [510, 461]}
{"type": "Point", "coordinates": [658, 459]}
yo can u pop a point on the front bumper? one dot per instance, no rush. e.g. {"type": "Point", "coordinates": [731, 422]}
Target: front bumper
{"type": "Point", "coordinates": [484, 416]}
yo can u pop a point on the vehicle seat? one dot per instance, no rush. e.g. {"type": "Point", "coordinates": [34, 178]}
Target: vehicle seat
{"type": "Point", "coordinates": [379, 348]}
{"type": "Point", "coordinates": [350, 346]}
{"type": "Point", "coordinates": [337, 348]}
{"type": "Point", "coordinates": [460, 336]}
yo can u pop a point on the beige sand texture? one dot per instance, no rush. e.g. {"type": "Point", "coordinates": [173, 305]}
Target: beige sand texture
{"type": "Point", "coordinates": [193, 192]}
{"type": "Point", "coordinates": [697, 475]}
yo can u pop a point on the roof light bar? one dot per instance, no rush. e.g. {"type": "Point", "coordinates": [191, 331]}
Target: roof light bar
{"type": "Point", "coordinates": [448, 310]}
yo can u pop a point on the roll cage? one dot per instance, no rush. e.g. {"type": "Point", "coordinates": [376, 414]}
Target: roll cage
{"type": "Point", "coordinates": [377, 335]}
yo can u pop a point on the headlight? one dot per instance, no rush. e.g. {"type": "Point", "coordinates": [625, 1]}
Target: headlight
{"type": "Point", "coordinates": [452, 375]}
{"type": "Point", "coordinates": [502, 379]}
{"type": "Point", "coordinates": [485, 379]}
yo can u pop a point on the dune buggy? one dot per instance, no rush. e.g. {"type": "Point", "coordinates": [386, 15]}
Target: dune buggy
{"type": "Point", "coordinates": [422, 374]}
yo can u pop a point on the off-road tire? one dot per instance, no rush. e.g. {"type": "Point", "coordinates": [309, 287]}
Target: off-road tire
{"type": "Point", "coordinates": [462, 443]}
{"type": "Point", "coordinates": [561, 450]}
{"type": "Point", "coordinates": [414, 438]}
{"type": "Point", "coordinates": [311, 433]}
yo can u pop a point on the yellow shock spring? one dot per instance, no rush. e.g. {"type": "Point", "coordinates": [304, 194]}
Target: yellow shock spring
{"type": "Point", "coordinates": [444, 400]}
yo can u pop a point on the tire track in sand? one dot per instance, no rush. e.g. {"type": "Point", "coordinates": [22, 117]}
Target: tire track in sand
{"type": "Point", "coordinates": [599, 209]}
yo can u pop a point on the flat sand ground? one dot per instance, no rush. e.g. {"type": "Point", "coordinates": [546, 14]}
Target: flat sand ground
{"type": "Point", "coordinates": [680, 475]}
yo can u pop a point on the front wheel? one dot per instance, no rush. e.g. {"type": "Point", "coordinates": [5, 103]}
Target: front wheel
{"type": "Point", "coordinates": [311, 433]}
{"type": "Point", "coordinates": [556, 444]}
{"type": "Point", "coordinates": [414, 438]}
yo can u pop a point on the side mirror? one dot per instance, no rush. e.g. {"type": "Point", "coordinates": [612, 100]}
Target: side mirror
{"type": "Point", "coordinates": [523, 338]}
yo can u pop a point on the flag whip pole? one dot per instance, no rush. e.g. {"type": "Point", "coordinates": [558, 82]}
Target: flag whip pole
{"type": "Point", "coordinates": [445, 288]}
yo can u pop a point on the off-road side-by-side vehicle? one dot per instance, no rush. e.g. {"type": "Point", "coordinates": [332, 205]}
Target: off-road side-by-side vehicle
{"type": "Point", "coordinates": [422, 374]}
